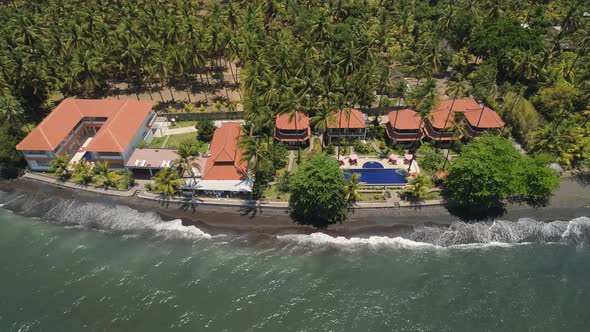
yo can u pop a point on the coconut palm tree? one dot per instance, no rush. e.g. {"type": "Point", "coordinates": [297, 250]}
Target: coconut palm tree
{"type": "Point", "coordinates": [84, 172]}
{"type": "Point", "coordinates": [417, 188]}
{"type": "Point", "coordinates": [59, 166]}
{"type": "Point", "coordinates": [352, 189]}
{"type": "Point", "coordinates": [167, 182]}
{"type": "Point", "coordinates": [105, 177]}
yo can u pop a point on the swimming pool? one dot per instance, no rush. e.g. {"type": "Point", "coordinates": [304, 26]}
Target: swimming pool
{"type": "Point", "coordinates": [373, 173]}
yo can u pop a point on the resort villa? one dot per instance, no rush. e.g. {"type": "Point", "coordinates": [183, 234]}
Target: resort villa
{"type": "Point", "coordinates": [224, 172]}
{"type": "Point", "coordinates": [440, 125]}
{"type": "Point", "coordinates": [346, 125]}
{"type": "Point", "coordinates": [292, 130]}
{"type": "Point", "coordinates": [93, 130]}
{"type": "Point", "coordinates": [404, 126]}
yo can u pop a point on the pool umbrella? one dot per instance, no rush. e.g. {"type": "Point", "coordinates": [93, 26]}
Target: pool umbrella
{"type": "Point", "coordinates": [353, 157]}
{"type": "Point", "coordinates": [408, 157]}
{"type": "Point", "coordinates": [393, 157]}
{"type": "Point", "coordinates": [341, 158]}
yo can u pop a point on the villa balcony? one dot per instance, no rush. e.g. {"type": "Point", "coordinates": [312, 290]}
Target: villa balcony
{"type": "Point", "coordinates": [440, 135]}
{"type": "Point", "coordinates": [403, 136]}
{"type": "Point", "coordinates": [345, 132]}
{"type": "Point", "coordinates": [292, 136]}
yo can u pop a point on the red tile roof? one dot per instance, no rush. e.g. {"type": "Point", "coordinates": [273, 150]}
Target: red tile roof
{"type": "Point", "coordinates": [348, 119]}
{"type": "Point", "coordinates": [124, 119]}
{"type": "Point", "coordinates": [405, 119]}
{"type": "Point", "coordinates": [484, 120]}
{"type": "Point", "coordinates": [440, 116]}
{"type": "Point", "coordinates": [224, 162]}
{"type": "Point", "coordinates": [287, 121]}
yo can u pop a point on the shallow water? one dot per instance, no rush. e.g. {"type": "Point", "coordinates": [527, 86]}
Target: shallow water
{"type": "Point", "coordinates": [104, 268]}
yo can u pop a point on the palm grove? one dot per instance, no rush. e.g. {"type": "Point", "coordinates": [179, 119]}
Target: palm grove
{"type": "Point", "coordinates": [308, 56]}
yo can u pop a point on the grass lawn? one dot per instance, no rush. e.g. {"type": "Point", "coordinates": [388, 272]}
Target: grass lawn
{"type": "Point", "coordinates": [371, 197]}
{"type": "Point", "coordinates": [175, 140]}
{"type": "Point", "coordinates": [156, 142]}
{"type": "Point", "coordinates": [273, 193]}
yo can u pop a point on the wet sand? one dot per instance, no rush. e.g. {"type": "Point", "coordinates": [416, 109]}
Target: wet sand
{"type": "Point", "coordinates": [572, 200]}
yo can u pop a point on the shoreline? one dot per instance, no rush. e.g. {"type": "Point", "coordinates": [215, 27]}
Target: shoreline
{"type": "Point", "coordinates": [572, 200]}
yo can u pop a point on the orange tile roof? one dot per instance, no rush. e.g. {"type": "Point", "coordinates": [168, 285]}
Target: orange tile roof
{"type": "Point", "coordinates": [405, 119]}
{"type": "Point", "coordinates": [440, 116]}
{"type": "Point", "coordinates": [352, 119]}
{"type": "Point", "coordinates": [224, 162]}
{"type": "Point", "coordinates": [124, 118]}
{"type": "Point", "coordinates": [487, 119]}
{"type": "Point", "coordinates": [286, 121]}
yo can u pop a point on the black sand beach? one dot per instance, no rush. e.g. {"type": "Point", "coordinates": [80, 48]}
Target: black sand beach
{"type": "Point", "coordinates": [572, 200]}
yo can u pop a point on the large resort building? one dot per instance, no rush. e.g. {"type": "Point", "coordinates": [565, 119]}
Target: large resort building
{"type": "Point", "coordinates": [93, 130]}
{"type": "Point", "coordinates": [404, 126]}
{"type": "Point", "coordinates": [292, 130]}
{"type": "Point", "coordinates": [346, 125]}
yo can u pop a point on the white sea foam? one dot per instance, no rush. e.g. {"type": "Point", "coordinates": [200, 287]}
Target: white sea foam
{"type": "Point", "coordinates": [322, 238]}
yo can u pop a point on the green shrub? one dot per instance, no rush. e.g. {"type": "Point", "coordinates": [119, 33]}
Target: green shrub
{"type": "Point", "coordinates": [205, 130]}
{"type": "Point", "coordinates": [330, 149]}
{"type": "Point", "coordinates": [362, 148]}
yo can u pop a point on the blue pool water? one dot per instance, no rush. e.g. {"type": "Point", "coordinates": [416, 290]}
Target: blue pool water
{"type": "Point", "coordinates": [373, 173]}
{"type": "Point", "coordinates": [373, 165]}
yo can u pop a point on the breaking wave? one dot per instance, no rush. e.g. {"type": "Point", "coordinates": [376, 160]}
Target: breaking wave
{"type": "Point", "coordinates": [118, 219]}
{"type": "Point", "coordinates": [127, 221]}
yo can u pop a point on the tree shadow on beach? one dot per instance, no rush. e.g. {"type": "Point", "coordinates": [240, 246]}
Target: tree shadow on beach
{"type": "Point", "coordinates": [582, 177]}
{"type": "Point", "coordinates": [190, 204]}
{"type": "Point", "coordinates": [251, 210]}
{"type": "Point", "coordinates": [475, 214]}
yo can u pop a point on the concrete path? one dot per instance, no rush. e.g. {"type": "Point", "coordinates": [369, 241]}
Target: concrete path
{"type": "Point", "coordinates": [183, 130]}
{"type": "Point", "coordinates": [165, 142]}
{"type": "Point", "coordinates": [292, 158]}
{"type": "Point", "coordinates": [375, 147]}
{"type": "Point", "coordinates": [73, 185]}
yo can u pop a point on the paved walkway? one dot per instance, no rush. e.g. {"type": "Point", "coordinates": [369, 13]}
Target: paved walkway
{"type": "Point", "coordinates": [73, 185]}
{"type": "Point", "coordinates": [182, 130]}
{"type": "Point", "coordinates": [165, 142]}
{"type": "Point", "coordinates": [292, 158]}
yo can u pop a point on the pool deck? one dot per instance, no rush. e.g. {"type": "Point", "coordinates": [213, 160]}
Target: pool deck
{"type": "Point", "coordinates": [399, 164]}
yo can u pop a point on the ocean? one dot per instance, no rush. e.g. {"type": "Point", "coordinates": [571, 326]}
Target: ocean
{"type": "Point", "coordinates": [91, 267]}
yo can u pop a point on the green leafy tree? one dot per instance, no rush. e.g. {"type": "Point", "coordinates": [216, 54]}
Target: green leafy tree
{"type": "Point", "coordinates": [490, 170]}
{"type": "Point", "coordinates": [205, 130]}
{"type": "Point", "coordinates": [318, 193]}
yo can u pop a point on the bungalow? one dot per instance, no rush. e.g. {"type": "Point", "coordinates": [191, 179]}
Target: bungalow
{"type": "Point", "coordinates": [225, 173]}
{"type": "Point", "coordinates": [292, 130]}
{"type": "Point", "coordinates": [404, 126]}
{"type": "Point", "coordinates": [441, 121]}
{"type": "Point", "coordinates": [96, 130]}
{"type": "Point", "coordinates": [480, 120]}
{"type": "Point", "coordinates": [346, 125]}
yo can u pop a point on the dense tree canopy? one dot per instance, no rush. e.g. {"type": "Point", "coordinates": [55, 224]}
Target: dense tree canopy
{"type": "Point", "coordinates": [318, 193]}
{"type": "Point", "coordinates": [311, 56]}
{"type": "Point", "coordinates": [490, 170]}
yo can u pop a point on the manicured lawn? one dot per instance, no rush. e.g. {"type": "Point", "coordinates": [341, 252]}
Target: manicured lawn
{"type": "Point", "coordinates": [273, 193]}
{"type": "Point", "coordinates": [175, 140]}
{"type": "Point", "coordinates": [156, 142]}
{"type": "Point", "coordinates": [371, 197]}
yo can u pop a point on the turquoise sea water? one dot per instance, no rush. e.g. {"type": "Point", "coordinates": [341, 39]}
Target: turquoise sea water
{"type": "Point", "coordinates": [106, 274]}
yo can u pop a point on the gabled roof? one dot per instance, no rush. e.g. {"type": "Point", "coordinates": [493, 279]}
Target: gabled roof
{"type": "Point", "coordinates": [440, 116]}
{"type": "Point", "coordinates": [470, 109]}
{"type": "Point", "coordinates": [405, 119]}
{"type": "Point", "coordinates": [348, 119]}
{"type": "Point", "coordinates": [124, 119]}
{"type": "Point", "coordinates": [224, 162]}
{"type": "Point", "coordinates": [483, 119]}
{"type": "Point", "coordinates": [287, 121]}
